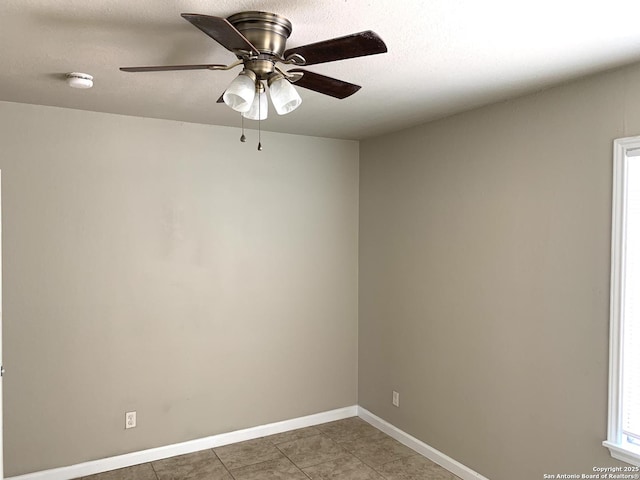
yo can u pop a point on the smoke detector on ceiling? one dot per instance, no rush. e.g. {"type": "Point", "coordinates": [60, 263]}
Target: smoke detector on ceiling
{"type": "Point", "coordinates": [79, 80]}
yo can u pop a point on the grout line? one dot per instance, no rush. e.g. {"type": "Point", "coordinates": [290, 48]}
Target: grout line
{"type": "Point", "coordinates": [372, 467]}
{"type": "Point", "coordinates": [377, 471]}
{"type": "Point", "coordinates": [315, 464]}
{"type": "Point", "coordinates": [249, 464]}
{"type": "Point", "coordinates": [222, 463]}
{"type": "Point", "coordinates": [154, 470]}
{"type": "Point", "coordinates": [287, 457]}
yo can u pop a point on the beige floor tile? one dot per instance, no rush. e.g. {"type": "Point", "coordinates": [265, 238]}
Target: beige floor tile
{"type": "Point", "coordinates": [309, 451]}
{"type": "Point", "coordinates": [416, 467]}
{"type": "Point", "coordinates": [281, 469]}
{"type": "Point", "coordinates": [203, 465]}
{"type": "Point", "coordinates": [247, 453]}
{"type": "Point", "coordinates": [360, 442]}
{"type": "Point", "coordinates": [378, 451]}
{"type": "Point", "coordinates": [347, 429]}
{"type": "Point", "coordinates": [345, 468]}
{"type": "Point", "coordinates": [137, 472]}
{"type": "Point", "coordinates": [293, 435]}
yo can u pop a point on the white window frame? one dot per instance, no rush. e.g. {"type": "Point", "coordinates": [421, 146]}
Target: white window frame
{"type": "Point", "coordinates": [623, 148]}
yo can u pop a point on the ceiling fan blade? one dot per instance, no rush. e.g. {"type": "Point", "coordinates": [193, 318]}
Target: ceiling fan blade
{"type": "Point", "coordinates": [326, 85]}
{"type": "Point", "coordinates": [167, 68]}
{"type": "Point", "coordinates": [350, 46]}
{"type": "Point", "coordinates": [222, 32]}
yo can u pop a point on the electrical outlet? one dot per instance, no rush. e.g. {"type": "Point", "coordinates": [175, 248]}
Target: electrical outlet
{"type": "Point", "coordinates": [130, 420]}
{"type": "Point", "coordinates": [396, 399]}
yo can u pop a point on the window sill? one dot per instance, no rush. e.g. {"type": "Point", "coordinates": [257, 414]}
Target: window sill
{"type": "Point", "coordinates": [628, 455]}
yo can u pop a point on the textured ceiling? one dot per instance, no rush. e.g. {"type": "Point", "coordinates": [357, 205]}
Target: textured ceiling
{"type": "Point", "coordinates": [444, 56]}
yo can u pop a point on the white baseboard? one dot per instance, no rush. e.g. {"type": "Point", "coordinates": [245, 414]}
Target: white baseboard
{"type": "Point", "coordinates": [455, 467]}
{"type": "Point", "coordinates": [153, 454]}
{"type": "Point", "coordinates": [160, 453]}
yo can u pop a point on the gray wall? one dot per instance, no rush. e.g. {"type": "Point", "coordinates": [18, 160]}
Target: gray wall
{"type": "Point", "coordinates": [484, 278]}
{"type": "Point", "coordinates": [169, 269]}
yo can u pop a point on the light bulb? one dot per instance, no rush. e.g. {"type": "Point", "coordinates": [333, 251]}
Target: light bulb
{"type": "Point", "coordinates": [241, 92]}
{"type": "Point", "coordinates": [259, 107]}
{"type": "Point", "coordinates": [284, 97]}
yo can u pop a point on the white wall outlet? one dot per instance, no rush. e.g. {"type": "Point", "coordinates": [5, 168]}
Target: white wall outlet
{"type": "Point", "coordinates": [396, 399]}
{"type": "Point", "coordinates": [130, 420]}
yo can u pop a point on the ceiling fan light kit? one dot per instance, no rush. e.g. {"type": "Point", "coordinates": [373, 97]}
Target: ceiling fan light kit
{"type": "Point", "coordinates": [241, 92]}
{"type": "Point", "coordinates": [284, 97]}
{"type": "Point", "coordinates": [260, 106]}
{"type": "Point", "coordinates": [258, 39]}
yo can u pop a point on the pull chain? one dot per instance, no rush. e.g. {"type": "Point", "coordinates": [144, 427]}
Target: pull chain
{"type": "Point", "coordinates": [242, 137]}
{"type": "Point", "coordinates": [259, 125]}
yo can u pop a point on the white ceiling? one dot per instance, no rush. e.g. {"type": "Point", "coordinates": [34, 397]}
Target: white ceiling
{"type": "Point", "coordinates": [445, 56]}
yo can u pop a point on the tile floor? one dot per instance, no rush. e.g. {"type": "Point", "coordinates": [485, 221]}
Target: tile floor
{"type": "Point", "coordinates": [349, 449]}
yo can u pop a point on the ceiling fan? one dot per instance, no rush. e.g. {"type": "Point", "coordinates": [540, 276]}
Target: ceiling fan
{"type": "Point", "coordinates": [258, 39]}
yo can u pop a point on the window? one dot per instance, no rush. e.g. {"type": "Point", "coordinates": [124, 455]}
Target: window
{"type": "Point", "coordinates": [624, 352]}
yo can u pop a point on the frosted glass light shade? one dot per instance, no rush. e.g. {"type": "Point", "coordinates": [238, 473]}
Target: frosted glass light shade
{"type": "Point", "coordinates": [259, 107]}
{"type": "Point", "coordinates": [284, 97]}
{"type": "Point", "coordinates": [240, 93]}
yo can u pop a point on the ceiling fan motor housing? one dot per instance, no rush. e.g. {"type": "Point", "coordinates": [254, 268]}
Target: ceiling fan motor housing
{"type": "Point", "coordinates": [268, 32]}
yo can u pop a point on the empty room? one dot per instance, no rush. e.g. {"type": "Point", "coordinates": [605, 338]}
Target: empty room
{"type": "Point", "coordinates": [343, 240]}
